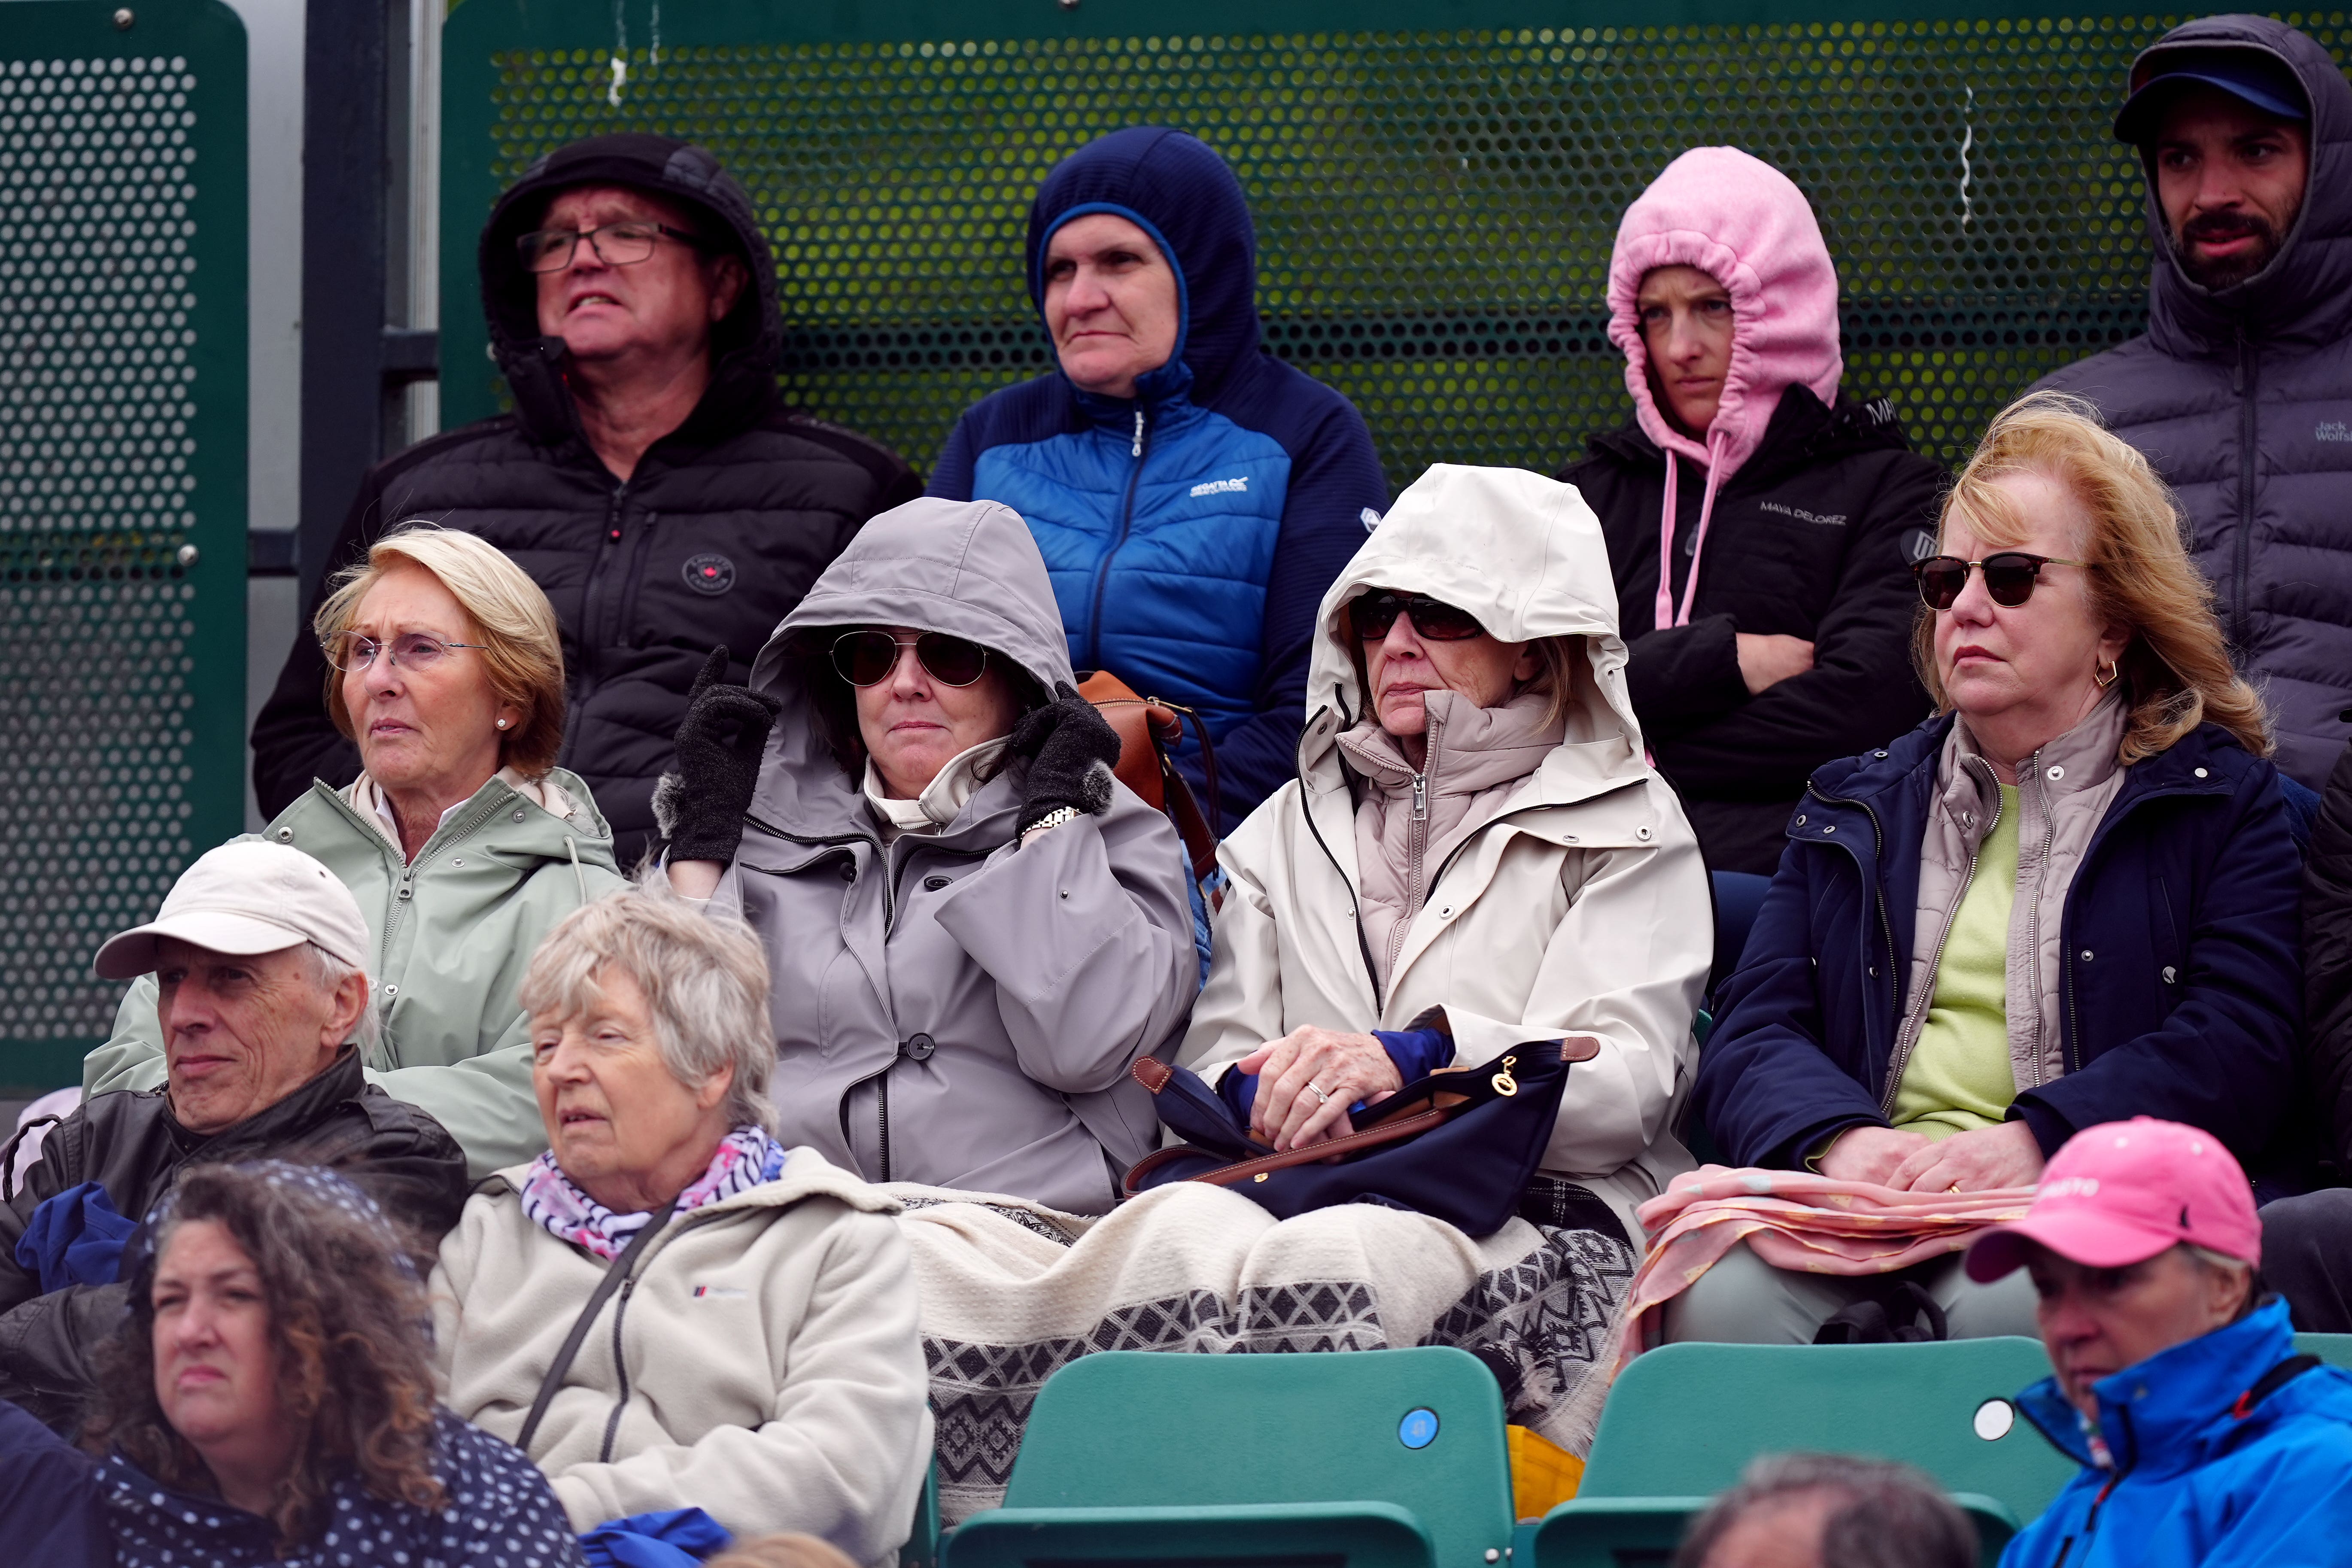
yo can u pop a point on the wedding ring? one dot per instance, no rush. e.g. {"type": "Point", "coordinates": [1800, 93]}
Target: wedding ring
{"type": "Point", "coordinates": [1953, 1188]}
{"type": "Point", "coordinates": [1320, 1097]}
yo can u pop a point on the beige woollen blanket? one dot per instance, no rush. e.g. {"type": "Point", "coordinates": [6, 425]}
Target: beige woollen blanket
{"type": "Point", "coordinates": [1012, 1291]}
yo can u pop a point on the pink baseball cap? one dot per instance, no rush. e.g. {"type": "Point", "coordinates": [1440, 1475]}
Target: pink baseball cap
{"type": "Point", "coordinates": [2120, 1193]}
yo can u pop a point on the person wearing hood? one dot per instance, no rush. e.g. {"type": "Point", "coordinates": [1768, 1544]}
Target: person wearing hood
{"type": "Point", "coordinates": [2238, 390]}
{"type": "Point", "coordinates": [2069, 899]}
{"type": "Point", "coordinates": [974, 930]}
{"type": "Point", "coordinates": [648, 478]}
{"type": "Point", "coordinates": [1761, 524]}
{"type": "Point", "coordinates": [1472, 827]}
{"type": "Point", "coordinates": [2204, 1438]}
{"type": "Point", "coordinates": [1192, 496]}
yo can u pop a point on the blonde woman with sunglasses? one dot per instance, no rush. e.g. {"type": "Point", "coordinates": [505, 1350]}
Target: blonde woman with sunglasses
{"type": "Point", "coordinates": [2069, 899]}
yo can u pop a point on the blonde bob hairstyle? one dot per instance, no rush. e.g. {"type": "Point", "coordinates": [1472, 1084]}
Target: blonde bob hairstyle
{"type": "Point", "coordinates": [705, 980]}
{"type": "Point", "coordinates": [2175, 672]}
{"type": "Point", "coordinates": [523, 653]}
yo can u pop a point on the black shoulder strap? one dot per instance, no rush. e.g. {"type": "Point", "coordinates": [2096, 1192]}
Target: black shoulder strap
{"type": "Point", "coordinates": [2271, 1381]}
{"type": "Point", "coordinates": [8, 1155]}
{"type": "Point", "coordinates": [572, 1342]}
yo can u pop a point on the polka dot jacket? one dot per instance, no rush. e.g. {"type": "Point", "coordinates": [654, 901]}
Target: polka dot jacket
{"type": "Point", "coordinates": [500, 1515]}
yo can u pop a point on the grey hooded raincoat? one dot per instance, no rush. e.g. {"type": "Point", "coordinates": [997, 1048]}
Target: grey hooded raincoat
{"type": "Point", "coordinates": [952, 1008]}
{"type": "Point", "coordinates": [2241, 398]}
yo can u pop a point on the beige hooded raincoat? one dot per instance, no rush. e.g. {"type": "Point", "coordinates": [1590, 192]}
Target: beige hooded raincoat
{"type": "Point", "coordinates": [1576, 906]}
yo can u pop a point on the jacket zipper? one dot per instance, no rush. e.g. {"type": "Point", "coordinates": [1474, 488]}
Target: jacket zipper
{"type": "Point", "coordinates": [1416, 844]}
{"type": "Point", "coordinates": [1907, 1039]}
{"type": "Point", "coordinates": [2090, 1520]}
{"type": "Point", "coordinates": [2246, 384]}
{"type": "Point", "coordinates": [1878, 891]}
{"type": "Point", "coordinates": [636, 577]}
{"type": "Point", "coordinates": [1102, 567]}
{"type": "Point", "coordinates": [591, 632]}
{"type": "Point", "coordinates": [620, 1371]}
{"type": "Point", "coordinates": [2033, 913]}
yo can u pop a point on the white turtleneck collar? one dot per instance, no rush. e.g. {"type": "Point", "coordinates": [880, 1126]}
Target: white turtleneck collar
{"type": "Point", "coordinates": [941, 799]}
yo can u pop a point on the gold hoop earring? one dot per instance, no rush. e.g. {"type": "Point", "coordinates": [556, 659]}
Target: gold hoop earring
{"type": "Point", "coordinates": [2103, 681]}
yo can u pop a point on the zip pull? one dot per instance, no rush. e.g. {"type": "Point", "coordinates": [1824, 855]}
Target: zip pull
{"type": "Point", "coordinates": [1138, 434]}
{"type": "Point", "coordinates": [1420, 797]}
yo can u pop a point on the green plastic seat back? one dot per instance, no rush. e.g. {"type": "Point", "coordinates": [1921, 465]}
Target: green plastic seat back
{"type": "Point", "coordinates": [1684, 1420]}
{"type": "Point", "coordinates": [2336, 1350]}
{"type": "Point", "coordinates": [1251, 1535]}
{"type": "Point", "coordinates": [1141, 1428]}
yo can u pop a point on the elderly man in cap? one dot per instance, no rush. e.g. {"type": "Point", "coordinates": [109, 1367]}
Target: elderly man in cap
{"type": "Point", "coordinates": [2240, 392]}
{"type": "Point", "coordinates": [2203, 1437]}
{"type": "Point", "coordinates": [261, 956]}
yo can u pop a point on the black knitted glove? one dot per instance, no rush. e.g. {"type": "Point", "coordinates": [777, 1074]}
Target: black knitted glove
{"type": "Point", "coordinates": [1071, 749]}
{"type": "Point", "coordinates": [699, 807]}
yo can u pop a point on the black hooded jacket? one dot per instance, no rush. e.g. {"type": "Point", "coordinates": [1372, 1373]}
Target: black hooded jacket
{"type": "Point", "coordinates": [2241, 398]}
{"type": "Point", "coordinates": [130, 1143]}
{"type": "Point", "coordinates": [721, 529]}
{"type": "Point", "coordinates": [1812, 538]}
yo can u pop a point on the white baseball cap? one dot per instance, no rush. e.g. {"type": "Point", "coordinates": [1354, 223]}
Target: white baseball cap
{"type": "Point", "coordinates": [246, 897]}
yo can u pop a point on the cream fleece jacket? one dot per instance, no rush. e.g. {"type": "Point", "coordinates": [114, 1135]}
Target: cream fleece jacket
{"type": "Point", "coordinates": [763, 1363]}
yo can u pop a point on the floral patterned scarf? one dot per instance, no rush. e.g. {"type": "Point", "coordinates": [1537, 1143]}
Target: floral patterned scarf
{"type": "Point", "coordinates": [746, 1158]}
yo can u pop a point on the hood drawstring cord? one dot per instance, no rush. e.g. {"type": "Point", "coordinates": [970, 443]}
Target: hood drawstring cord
{"type": "Point", "coordinates": [578, 875]}
{"type": "Point", "coordinates": [1666, 613]}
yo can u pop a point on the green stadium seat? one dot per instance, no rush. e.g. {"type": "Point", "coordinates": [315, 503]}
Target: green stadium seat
{"type": "Point", "coordinates": [1145, 1457]}
{"type": "Point", "coordinates": [2336, 1350]}
{"type": "Point", "coordinates": [923, 1547]}
{"type": "Point", "coordinates": [1683, 1420]}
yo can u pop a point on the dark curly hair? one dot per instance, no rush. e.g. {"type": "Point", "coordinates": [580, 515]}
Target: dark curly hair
{"type": "Point", "coordinates": [346, 1314]}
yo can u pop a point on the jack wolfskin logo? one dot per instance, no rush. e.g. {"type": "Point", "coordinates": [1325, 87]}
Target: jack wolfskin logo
{"type": "Point", "coordinates": [1228, 487]}
{"type": "Point", "coordinates": [1830, 518]}
{"type": "Point", "coordinates": [2333, 430]}
{"type": "Point", "coordinates": [710, 574]}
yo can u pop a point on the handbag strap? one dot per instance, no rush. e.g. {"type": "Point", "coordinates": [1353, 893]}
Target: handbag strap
{"type": "Point", "coordinates": [1265, 1164]}
{"type": "Point", "coordinates": [580, 1326]}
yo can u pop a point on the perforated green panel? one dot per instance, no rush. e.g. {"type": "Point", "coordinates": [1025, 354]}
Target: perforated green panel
{"type": "Point", "coordinates": [1435, 208]}
{"type": "Point", "coordinates": [123, 352]}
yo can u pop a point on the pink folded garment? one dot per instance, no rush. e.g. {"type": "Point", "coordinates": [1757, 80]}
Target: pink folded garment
{"type": "Point", "coordinates": [1794, 1220]}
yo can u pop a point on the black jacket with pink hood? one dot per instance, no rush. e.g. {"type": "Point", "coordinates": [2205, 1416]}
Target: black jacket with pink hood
{"type": "Point", "coordinates": [1799, 512]}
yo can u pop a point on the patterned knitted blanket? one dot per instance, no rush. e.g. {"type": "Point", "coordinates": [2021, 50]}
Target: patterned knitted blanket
{"type": "Point", "coordinates": [1012, 1291]}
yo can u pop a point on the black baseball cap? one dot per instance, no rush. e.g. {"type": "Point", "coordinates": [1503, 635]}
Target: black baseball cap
{"type": "Point", "coordinates": [2251, 75]}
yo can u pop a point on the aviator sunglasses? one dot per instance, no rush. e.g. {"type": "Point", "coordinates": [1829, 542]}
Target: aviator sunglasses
{"type": "Point", "coordinates": [1373, 613]}
{"type": "Point", "coordinates": [867, 658]}
{"type": "Point", "coordinates": [2009, 574]}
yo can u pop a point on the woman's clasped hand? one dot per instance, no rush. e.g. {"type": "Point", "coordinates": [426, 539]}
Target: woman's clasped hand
{"type": "Point", "coordinates": [1980, 1159]}
{"type": "Point", "coordinates": [1308, 1079]}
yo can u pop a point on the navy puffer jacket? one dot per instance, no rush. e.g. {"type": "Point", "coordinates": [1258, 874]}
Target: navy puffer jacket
{"type": "Point", "coordinates": [2182, 970]}
{"type": "Point", "coordinates": [1191, 529]}
{"type": "Point", "coordinates": [2241, 398]}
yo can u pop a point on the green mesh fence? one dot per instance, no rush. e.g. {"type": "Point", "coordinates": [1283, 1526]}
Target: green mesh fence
{"type": "Point", "coordinates": [122, 451]}
{"type": "Point", "coordinates": [1435, 207]}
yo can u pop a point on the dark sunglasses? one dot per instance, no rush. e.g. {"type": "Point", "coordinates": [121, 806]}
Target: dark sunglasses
{"type": "Point", "coordinates": [1373, 613]}
{"type": "Point", "coordinates": [867, 658]}
{"type": "Point", "coordinates": [2008, 575]}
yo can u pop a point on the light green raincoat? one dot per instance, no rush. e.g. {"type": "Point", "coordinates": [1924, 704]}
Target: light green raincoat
{"type": "Point", "coordinates": [454, 931]}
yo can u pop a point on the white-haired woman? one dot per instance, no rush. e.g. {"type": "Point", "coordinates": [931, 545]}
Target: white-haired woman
{"type": "Point", "coordinates": [461, 839]}
{"type": "Point", "coordinates": [759, 1359]}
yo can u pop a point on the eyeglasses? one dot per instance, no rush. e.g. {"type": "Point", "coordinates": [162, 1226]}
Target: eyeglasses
{"type": "Point", "coordinates": [622, 244]}
{"type": "Point", "coordinates": [2008, 575]}
{"type": "Point", "coordinates": [1374, 613]}
{"type": "Point", "coordinates": [867, 658]}
{"type": "Point", "coordinates": [412, 651]}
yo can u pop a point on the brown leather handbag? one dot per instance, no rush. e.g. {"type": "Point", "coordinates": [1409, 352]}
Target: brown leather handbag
{"type": "Point", "coordinates": [1149, 732]}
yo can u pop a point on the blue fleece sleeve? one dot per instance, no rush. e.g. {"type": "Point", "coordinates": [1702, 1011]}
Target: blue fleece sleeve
{"type": "Point", "coordinates": [1416, 1053]}
{"type": "Point", "coordinates": [952, 475]}
{"type": "Point", "coordinates": [1335, 478]}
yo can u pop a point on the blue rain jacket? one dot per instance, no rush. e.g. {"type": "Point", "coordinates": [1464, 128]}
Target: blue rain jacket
{"type": "Point", "coordinates": [2222, 1458]}
{"type": "Point", "coordinates": [2182, 958]}
{"type": "Point", "coordinates": [1190, 531]}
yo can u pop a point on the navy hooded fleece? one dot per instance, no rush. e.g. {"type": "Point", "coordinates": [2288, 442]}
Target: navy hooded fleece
{"type": "Point", "coordinates": [1190, 532]}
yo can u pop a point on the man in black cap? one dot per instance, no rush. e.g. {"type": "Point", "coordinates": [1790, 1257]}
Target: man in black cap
{"type": "Point", "coordinates": [649, 479]}
{"type": "Point", "coordinates": [2240, 392]}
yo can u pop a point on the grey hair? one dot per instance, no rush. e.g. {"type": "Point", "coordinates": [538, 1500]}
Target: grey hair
{"type": "Point", "coordinates": [705, 979]}
{"type": "Point", "coordinates": [330, 971]}
{"type": "Point", "coordinates": [2222, 1263]}
{"type": "Point", "coordinates": [1883, 1515]}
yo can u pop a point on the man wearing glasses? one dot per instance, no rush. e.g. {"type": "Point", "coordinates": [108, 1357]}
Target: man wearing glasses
{"type": "Point", "coordinates": [649, 477]}
{"type": "Point", "coordinates": [2240, 392]}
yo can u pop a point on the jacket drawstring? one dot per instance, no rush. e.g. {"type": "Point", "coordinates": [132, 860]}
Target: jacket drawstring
{"type": "Point", "coordinates": [1666, 613]}
{"type": "Point", "coordinates": [578, 875]}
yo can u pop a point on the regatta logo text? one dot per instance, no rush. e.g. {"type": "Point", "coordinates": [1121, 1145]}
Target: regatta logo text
{"type": "Point", "coordinates": [1222, 486]}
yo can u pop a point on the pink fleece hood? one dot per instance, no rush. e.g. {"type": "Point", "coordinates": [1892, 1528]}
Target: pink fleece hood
{"type": "Point", "coordinates": [1745, 225]}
